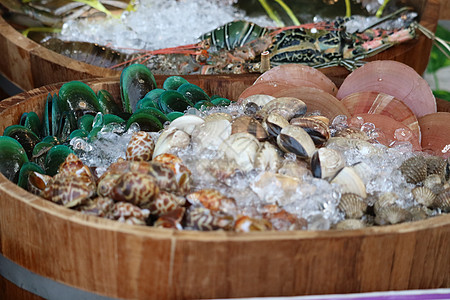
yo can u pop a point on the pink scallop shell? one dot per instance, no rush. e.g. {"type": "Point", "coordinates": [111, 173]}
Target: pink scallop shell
{"type": "Point", "coordinates": [436, 133]}
{"type": "Point", "coordinates": [392, 78]}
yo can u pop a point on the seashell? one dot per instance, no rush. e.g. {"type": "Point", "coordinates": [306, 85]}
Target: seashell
{"type": "Point", "coordinates": [392, 78]}
{"type": "Point", "coordinates": [385, 200]}
{"type": "Point", "coordinates": [250, 109]}
{"type": "Point", "coordinates": [350, 182]}
{"type": "Point", "coordinates": [212, 134]}
{"type": "Point", "coordinates": [136, 81]}
{"type": "Point", "coordinates": [316, 128]}
{"type": "Point", "coordinates": [432, 127]}
{"type": "Point", "coordinates": [442, 201]}
{"type": "Point", "coordinates": [371, 102]}
{"type": "Point", "coordinates": [268, 158]}
{"type": "Point", "coordinates": [241, 148]}
{"type": "Point", "coordinates": [273, 124]}
{"type": "Point", "coordinates": [352, 205]}
{"type": "Point", "coordinates": [201, 218]}
{"type": "Point", "coordinates": [170, 101]}
{"type": "Point", "coordinates": [126, 212]}
{"type": "Point", "coordinates": [250, 125]}
{"type": "Point", "coordinates": [316, 100]}
{"type": "Point", "coordinates": [55, 157]}
{"type": "Point", "coordinates": [99, 206]}
{"type": "Point", "coordinates": [186, 123]}
{"type": "Point", "coordinates": [275, 188]}
{"type": "Point", "coordinates": [171, 219]}
{"type": "Point", "coordinates": [434, 183]}
{"type": "Point", "coordinates": [25, 136]}
{"type": "Point", "coordinates": [182, 173]}
{"type": "Point", "coordinates": [296, 140]}
{"type": "Point", "coordinates": [392, 130]}
{"type": "Point", "coordinates": [414, 169]}
{"type": "Point", "coordinates": [287, 107]}
{"type": "Point", "coordinates": [69, 191]}
{"type": "Point", "coordinates": [362, 169]}
{"type": "Point", "coordinates": [218, 116]}
{"type": "Point", "coordinates": [282, 220]}
{"type": "Point", "coordinates": [263, 88]}
{"type": "Point", "coordinates": [326, 162]}
{"type": "Point", "coordinates": [352, 133]}
{"type": "Point", "coordinates": [419, 213]}
{"type": "Point", "coordinates": [248, 224]}
{"type": "Point", "coordinates": [37, 182]}
{"type": "Point", "coordinates": [136, 188]}
{"type": "Point", "coordinates": [298, 75]}
{"type": "Point", "coordinates": [213, 200]}
{"type": "Point", "coordinates": [350, 224]}
{"type": "Point", "coordinates": [173, 82]}
{"type": "Point", "coordinates": [192, 92]}
{"type": "Point", "coordinates": [164, 202]}
{"type": "Point", "coordinates": [423, 195]}
{"type": "Point", "coordinates": [162, 173]}
{"type": "Point", "coordinates": [258, 99]}
{"type": "Point", "coordinates": [392, 215]}
{"type": "Point", "coordinates": [140, 146]}
{"type": "Point", "coordinates": [295, 168]}
{"type": "Point", "coordinates": [437, 165]}
{"type": "Point", "coordinates": [170, 139]}
{"type": "Point", "coordinates": [106, 184]}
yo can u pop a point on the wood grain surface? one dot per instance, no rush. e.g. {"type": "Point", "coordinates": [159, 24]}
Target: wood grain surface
{"type": "Point", "coordinates": [137, 262]}
{"type": "Point", "coordinates": [30, 65]}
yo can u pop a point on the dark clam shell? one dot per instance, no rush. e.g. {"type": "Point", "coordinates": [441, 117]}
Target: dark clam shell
{"type": "Point", "coordinates": [135, 82]}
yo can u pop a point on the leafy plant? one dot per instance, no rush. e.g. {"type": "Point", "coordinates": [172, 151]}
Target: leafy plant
{"type": "Point", "coordinates": [439, 58]}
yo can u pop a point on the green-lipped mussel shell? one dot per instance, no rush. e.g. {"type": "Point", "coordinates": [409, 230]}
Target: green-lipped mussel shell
{"type": "Point", "coordinates": [66, 126]}
{"type": "Point", "coordinates": [135, 82]}
{"type": "Point", "coordinates": [173, 115]}
{"type": "Point", "coordinates": [25, 136]}
{"type": "Point", "coordinates": [81, 133]}
{"type": "Point", "coordinates": [170, 101]}
{"type": "Point", "coordinates": [192, 92]}
{"type": "Point", "coordinates": [174, 82]}
{"type": "Point", "coordinates": [51, 139]}
{"type": "Point", "coordinates": [12, 157]}
{"type": "Point", "coordinates": [220, 101]}
{"type": "Point", "coordinates": [31, 121]}
{"type": "Point", "coordinates": [25, 171]}
{"type": "Point", "coordinates": [55, 157]}
{"type": "Point", "coordinates": [150, 99]}
{"type": "Point", "coordinates": [112, 119]}
{"type": "Point", "coordinates": [40, 152]}
{"type": "Point", "coordinates": [85, 122]}
{"type": "Point", "coordinates": [47, 114]}
{"type": "Point", "coordinates": [79, 98]}
{"type": "Point", "coordinates": [154, 112]}
{"type": "Point", "coordinates": [147, 122]}
{"type": "Point", "coordinates": [107, 103]}
{"type": "Point", "coordinates": [56, 116]}
{"type": "Point", "coordinates": [203, 104]}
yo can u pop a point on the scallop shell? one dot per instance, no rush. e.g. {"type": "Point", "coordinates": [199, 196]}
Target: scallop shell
{"type": "Point", "coordinates": [352, 205]}
{"type": "Point", "coordinates": [263, 88]}
{"type": "Point", "coordinates": [423, 195]}
{"type": "Point", "coordinates": [442, 201]}
{"type": "Point", "coordinates": [392, 215]}
{"type": "Point", "coordinates": [383, 104]}
{"type": "Point", "coordinates": [437, 165]}
{"type": "Point", "coordinates": [350, 224]}
{"type": "Point", "coordinates": [419, 213]}
{"type": "Point", "coordinates": [433, 128]}
{"type": "Point", "coordinates": [386, 199]}
{"type": "Point", "coordinates": [298, 75]}
{"type": "Point", "coordinates": [414, 169]}
{"type": "Point", "coordinates": [392, 130]}
{"type": "Point", "coordinates": [316, 100]}
{"type": "Point", "coordinates": [434, 182]}
{"type": "Point", "coordinates": [392, 78]}
{"type": "Point", "coordinates": [350, 182]}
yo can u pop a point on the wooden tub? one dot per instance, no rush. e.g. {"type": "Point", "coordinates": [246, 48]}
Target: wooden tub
{"type": "Point", "coordinates": [112, 259]}
{"type": "Point", "coordinates": [30, 65]}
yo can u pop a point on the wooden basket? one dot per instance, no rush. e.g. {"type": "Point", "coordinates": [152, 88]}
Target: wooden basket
{"type": "Point", "coordinates": [136, 262]}
{"type": "Point", "coordinates": [30, 65]}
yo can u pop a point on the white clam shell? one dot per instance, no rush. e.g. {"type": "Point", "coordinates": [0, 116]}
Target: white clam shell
{"type": "Point", "coordinates": [187, 123]}
{"type": "Point", "coordinates": [169, 139]}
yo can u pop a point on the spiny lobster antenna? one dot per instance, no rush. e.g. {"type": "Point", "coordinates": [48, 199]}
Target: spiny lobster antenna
{"type": "Point", "coordinates": [441, 44]}
{"type": "Point", "coordinates": [387, 17]}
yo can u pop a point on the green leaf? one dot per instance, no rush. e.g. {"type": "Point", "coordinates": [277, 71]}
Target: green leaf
{"type": "Point", "coordinates": [441, 94]}
{"type": "Point", "coordinates": [438, 59]}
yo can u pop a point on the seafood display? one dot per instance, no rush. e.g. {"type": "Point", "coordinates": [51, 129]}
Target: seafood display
{"type": "Point", "coordinates": [176, 157]}
{"type": "Point", "coordinates": [238, 46]}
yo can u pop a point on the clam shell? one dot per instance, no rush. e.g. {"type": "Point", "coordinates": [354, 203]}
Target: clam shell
{"type": "Point", "coordinates": [250, 125]}
{"type": "Point", "coordinates": [241, 148]}
{"type": "Point", "coordinates": [218, 116]}
{"type": "Point", "coordinates": [273, 124]}
{"type": "Point", "coordinates": [295, 168]}
{"type": "Point", "coordinates": [258, 99]}
{"type": "Point", "coordinates": [414, 169]}
{"type": "Point", "coordinates": [263, 88]}
{"type": "Point", "coordinates": [316, 100]}
{"type": "Point", "coordinates": [268, 158]}
{"type": "Point", "coordinates": [423, 195]}
{"type": "Point", "coordinates": [419, 213]}
{"type": "Point", "coordinates": [287, 107]}
{"type": "Point", "coordinates": [298, 75]}
{"type": "Point", "coordinates": [392, 130]}
{"type": "Point", "coordinates": [383, 104]}
{"type": "Point", "coordinates": [326, 162]}
{"type": "Point", "coordinates": [350, 182]}
{"type": "Point", "coordinates": [352, 205]}
{"type": "Point", "coordinates": [211, 134]}
{"type": "Point", "coordinates": [169, 139]}
{"type": "Point", "coordinates": [187, 123]}
{"type": "Point", "coordinates": [350, 224]}
{"type": "Point", "coordinates": [433, 128]}
{"type": "Point", "coordinates": [317, 129]}
{"type": "Point", "coordinates": [392, 78]}
{"type": "Point", "coordinates": [296, 140]}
